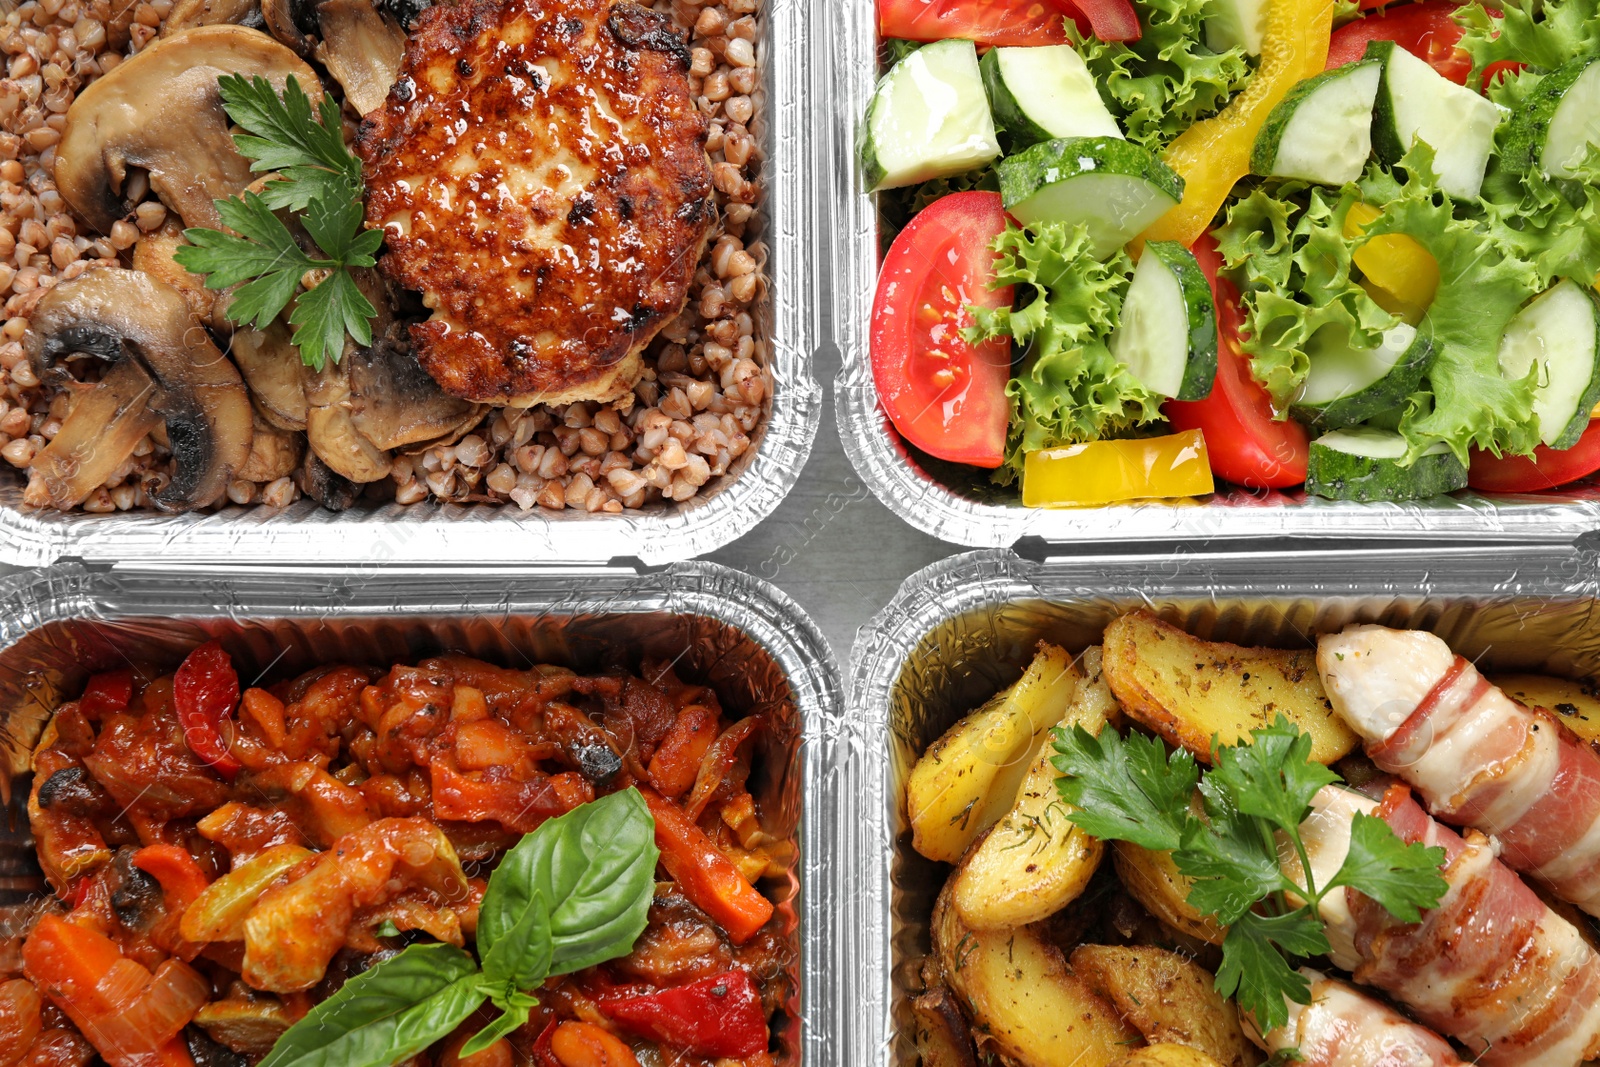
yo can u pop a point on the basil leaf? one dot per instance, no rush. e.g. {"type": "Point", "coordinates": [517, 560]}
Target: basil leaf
{"type": "Point", "coordinates": [515, 1012]}
{"type": "Point", "coordinates": [386, 1014]}
{"type": "Point", "coordinates": [597, 864]}
{"type": "Point", "coordinates": [520, 957]}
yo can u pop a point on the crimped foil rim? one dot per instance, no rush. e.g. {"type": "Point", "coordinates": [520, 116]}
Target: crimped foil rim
{"type": "Point", "coordinates": [482, 533]}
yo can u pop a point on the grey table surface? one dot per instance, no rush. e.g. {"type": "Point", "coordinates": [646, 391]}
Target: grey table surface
{"type": "Point", "coordinates": [831, 545]}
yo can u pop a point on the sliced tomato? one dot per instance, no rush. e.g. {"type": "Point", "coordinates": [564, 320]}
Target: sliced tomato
{"type": "Point", "coordinates": [1426, 30]}
{"type": "Point", "coordinates": [1494, 70]}
{"type": "Point", "coordinates": [945, 396]}
{"type": "Point", "coordinates": [1247, 446]}
{"type": "Point", "coordinates": [1545, 469]}
{"type": "Point", "coordinates": [1007, 22]}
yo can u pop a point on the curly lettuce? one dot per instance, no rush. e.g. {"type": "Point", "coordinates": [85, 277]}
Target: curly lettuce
{"type": "Point", "coordinates": [1541, 36]}
{"type": "Point", "coordinates": [1070, 388]}
{"type": "Point", "coordinates": [1161, 84]}
{"type": "Point", "coordinates": [1285, 247]}
{"type": "Point", "coordinates": [1483, 282]}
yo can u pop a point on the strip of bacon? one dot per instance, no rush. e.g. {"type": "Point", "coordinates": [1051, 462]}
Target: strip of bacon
{"type": "Point", "coordinates": [1492, 966]}
{"type": "Point", "coordinates": [1477, 757]}
{"type": "Point", "coordinates": [1343, 1027]}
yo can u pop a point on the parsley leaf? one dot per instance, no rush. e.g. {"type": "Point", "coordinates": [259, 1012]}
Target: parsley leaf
{"type": "Point", "coordinates": [1273, 777]}
{"type": "Point", "coordinates": [1234, 865]}
{"type": "Point", "coordinates": [1402, 877]}
{"type": "Point", "coordinates": [1126, 788]}
{"type": "Point", "coordinates": [1255, 971]}
{"type": "Point", "coordinates": [319, 180]}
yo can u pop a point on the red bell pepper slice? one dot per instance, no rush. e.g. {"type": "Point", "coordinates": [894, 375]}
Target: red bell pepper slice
{"type": "Point", "coordinates": [106, 694]}
{"type": "Point", "coordinates": [707, 877]}
{"type": "Point", "coordinates": [205, 691]}
{"type": "Point", "coordinates": [716, 1016]}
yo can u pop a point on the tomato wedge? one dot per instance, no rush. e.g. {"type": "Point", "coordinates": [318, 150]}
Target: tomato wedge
{"type": "Point", "coordinates": [1007, 22]}
{"type": "Point", "coordinates": [1545, 469]}
{"type": "Point", "coordinates": [1246, 445]}
{"type": "Point", "coordinates": [945, 396]}
{"type": "Point", "coordinates": [1426, 30]}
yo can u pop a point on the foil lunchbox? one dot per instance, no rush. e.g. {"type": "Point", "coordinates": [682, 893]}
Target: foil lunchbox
{"type": "Point", "coordinates": [958, 504]}
{"type": "Point", "coordinates": [481, 533]}
{"type": "Point", "coordinates": [964, 628]}
{"type": "Point", "coordinates": [741, 636]}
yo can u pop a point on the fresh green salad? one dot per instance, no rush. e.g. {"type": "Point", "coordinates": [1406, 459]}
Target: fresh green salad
{"type": "Point", "coordinates": [1142, 246]}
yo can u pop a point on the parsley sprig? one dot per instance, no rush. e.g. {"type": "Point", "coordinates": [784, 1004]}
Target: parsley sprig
{"type": "Point", "coordinates": [319, 180]}
{"type": "Point", "coordinates": [1131, 789]}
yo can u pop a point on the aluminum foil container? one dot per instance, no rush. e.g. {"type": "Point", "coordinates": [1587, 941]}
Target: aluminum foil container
{"type": "Point", "coordinates": [958, 504]}
{"type": "Point", "coordinates": [483, 533]}
{"type": "Point", "coordinates": [743, 637]}
{"type": "Point", "coordinates": [964, 628]}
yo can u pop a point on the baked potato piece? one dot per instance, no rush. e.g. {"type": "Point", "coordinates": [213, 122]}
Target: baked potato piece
{"type": "Point", "coordinates": [1189, 690]}
{"type": "Point", "coordinates": [969, 778]}
{"type": "Point", "coordinates": [942, 1036]}
{"type": "Point", "coordinates": [1025, 1005]}
{"type": "Point", "coordinates": [1166, 1055]}
{"type": "Point", "coordinates": [1153, 879]}
{"type": "Point", "coordinates": [1576, 705]}
{"type": "Point", "coordinates": [1034, 862]}
{"type": "Point", "coordinates": [1168, 998]}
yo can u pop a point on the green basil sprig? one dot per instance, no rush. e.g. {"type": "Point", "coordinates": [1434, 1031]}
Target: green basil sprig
{"type": "Point", "coordinates": [573, 893]}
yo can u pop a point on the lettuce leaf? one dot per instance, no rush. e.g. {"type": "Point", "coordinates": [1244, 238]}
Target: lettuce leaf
{"type": "Point", "coordinates": [1541, 35]}
{"type": "Point", "coordinates": [1284, 245]}
{"type": "Point", "coordinates": [1070, 388]}
{"type": "Point", "coordinates": [1482, 283]}
{"type": "Point", "coordinates": [1161, 84]}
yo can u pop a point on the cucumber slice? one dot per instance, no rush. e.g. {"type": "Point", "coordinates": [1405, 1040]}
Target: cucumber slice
{"type": "Point", "coordinates": [1113, 187]}
{"type": "Point", "coordinates": [1558, 122]}
{"type": "Point", "coordinates": [1040, 93]}
{"type": "Point", "coordinates": [1363, 463]}
{"type": "Point", "coordinates": [1168, 333]}
{"type": "Point", "coordinates": [929, 118]}
{"type": "Point", "coordinates": [1417, 103]}
{"type": "Point", "coordinates": [1350, 385]}
{"type": "Point", "coordinates": [1559, 332]}
{"type": "Point", "coordinates": [1236, 24]}
{"type": "Point", "coordinates": [1321, 131]}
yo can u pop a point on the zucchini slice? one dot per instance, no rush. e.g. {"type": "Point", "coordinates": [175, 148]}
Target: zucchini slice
{"type": "Point", "coordinates": [1114, 187]}
{"type": "Point", "coordinates": [1168, 333]}
{"type": "Point", "coordinates": [1362, 463]}
{"type": "Point", "coordinates": [1321, 131]}
{"type": "Point", "coordinates": [1040, 93]}
{"type": "Point", "coordinates": [928, 118]}
{"type": "Point", "coordinates": [1349, 385]}
{"type": "Point", "coordinates": [1559, 121]}
{"type": "Point", "coordinates": [1417, 103]}
{"type": "Point", "coordinates": [1559, 334]}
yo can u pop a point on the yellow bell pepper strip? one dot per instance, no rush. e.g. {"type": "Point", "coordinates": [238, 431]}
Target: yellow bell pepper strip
{"type": "Point", "coordinates": [1212, 155]}
{"type": "Point", "coordinates": [1107, 472]}
{"type": "Point", "coordinates": [1401, 275]}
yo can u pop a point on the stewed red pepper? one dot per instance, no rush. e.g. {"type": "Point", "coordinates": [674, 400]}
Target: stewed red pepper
{"type": "Point", "coordinates": [205, 692]}
{"type": "Point", "coordinates": [106, 694]}
{"type": "Point", "coordinates": [716, 1016]}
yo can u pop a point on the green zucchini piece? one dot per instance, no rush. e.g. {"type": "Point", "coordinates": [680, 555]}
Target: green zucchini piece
{"type": "Point", "coordinates": [1322, 131]}
{"type": "Point", "coordinates": [1168, 333]}
{"type": "Point", "coordinates": [1558, 122]}
{"type": "Point", "coordinates": [1417, 103]}
{"type": "Point", "coordinates": [1044, 92]}
{"type": "Point", "coordinates": [928, 118]}
{"type": "Point", "coordinates": [1115, 188]}
{"type": "Point", "coordinates": [1349, 385]}
{"type": "Point", "coordinates": [1366, 464]}
{"type": "Point", "coordinates": [1557, 339]}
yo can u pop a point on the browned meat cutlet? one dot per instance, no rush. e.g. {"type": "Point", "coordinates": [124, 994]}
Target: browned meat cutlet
{"type": "Point", "coordinates": [540, 173]}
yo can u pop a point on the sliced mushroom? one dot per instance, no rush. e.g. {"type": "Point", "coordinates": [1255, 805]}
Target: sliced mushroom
{"type": "Point", "coordinates": [106, 424]}
{"type": "Point", "coordinates": [274, 453]}
{"type": "Point", "coordinates": [395, 403]}
{"type": "Point", "coordinates": [293, 22]}
{"type": "Point", "coordinates": [161, 111]}
{"type": "Point", "coordinates": [153, 255]}
{"type": "Point", "coordinates": [187, 14]}
{"type": "Point", "coordinates": [331, 431]}
{"type": "Point", "coordinates": [361, 49]}
{"type": "Point", "coordinates": [126, 315]}
{"type": "Point", "coordinates": [271, 364]}
{"type": "Point", "coordinates": [321, 484]}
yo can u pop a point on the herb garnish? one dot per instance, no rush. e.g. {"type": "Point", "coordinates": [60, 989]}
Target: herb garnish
{"type": "Point", "coordinates": [573, 893]}
{"type": "Point", "coordinates": [319, 180]}
{"type": "Point", "coordinates": [1130, 789]}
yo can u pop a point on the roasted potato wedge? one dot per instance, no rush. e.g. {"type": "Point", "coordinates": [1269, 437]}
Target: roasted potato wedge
{"type": "Point", "coordinates": [1576, 705]}
{"type": "Point", "coordinates": [1153, 879]}
{"type": "Point", "coordinates": [1166, 1055]}
{"type": "Point", "coordinates": [1025, 1005]}
{"type": "Point", "coordinates": [969, 778]}
{"type": "Point", "coordinates": [1168, 998]}
{"type": "Point", "coordinates": [1189, 690]}
{"type": "Point", "coordinates": [942, 1036]}
{"type": "Point", "coordinates": [1034, 862]}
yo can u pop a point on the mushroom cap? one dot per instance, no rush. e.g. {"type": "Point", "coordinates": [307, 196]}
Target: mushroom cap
{"type": "Point", "coordinates": [161, 110]}
{"type": "Point", "coordinates": [115, 315]}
